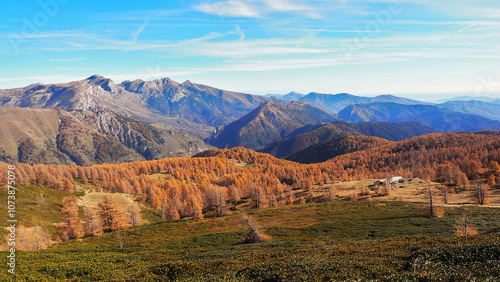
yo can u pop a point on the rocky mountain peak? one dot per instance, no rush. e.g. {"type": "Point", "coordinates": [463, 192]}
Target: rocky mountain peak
{"type": "Point", "coordinates": [104, 82]}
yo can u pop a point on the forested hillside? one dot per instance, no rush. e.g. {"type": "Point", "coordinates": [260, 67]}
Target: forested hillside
{"type": "Point", "coordinates": [335, 147]}
{"type": "Point", "coordinates": [187, 187]}
{"type": "Point", "coordinates": [321, 133]}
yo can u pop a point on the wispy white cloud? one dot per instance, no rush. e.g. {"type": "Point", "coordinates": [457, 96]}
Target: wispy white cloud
{"type": "Point", "coordinates": [335, 30]}
{"type": "Point", "coordinates": [66, 60]}
{"type": "Point", "coordinates": [75, 44]}
{"type": "Point", "coordinates": [54, 34]}
{"type": "Point", "coordinates": [445, 22]}
{"type": "Point", "coordinates": [467, 41]}
{"type": "Point", "coordinates": [255, 8]}
{"type": "Point", "coordinates": [465, 28]}
{"type": "Point", "coordinates": [136, 34]}
{"type": "Point", "coordinates": [453, 35]}
{"type": "Point", "coordinates": [216, 35]}
{"type": "Point", "coordinates": [254, 48]}
{"type": "Point", "coordinates": [285, 5]}
{"type": "Point", "coordinates": [247, 66]}
{"type": "Point", "coordinates": [229, 8]}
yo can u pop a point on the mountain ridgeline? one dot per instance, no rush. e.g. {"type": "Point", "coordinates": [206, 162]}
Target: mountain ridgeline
{"type": "Point", "coordinates": [441, 119]}
{"type": "Point", "coordinates": [390, 131]}
{"type": "Point", "coordinates": [190, 107]}
{"type": "Point", "coordinates": [338, 102]}
{"type": "Point", "coordinates": [95, 120]}
{"type": "Point", "coordinates": [335, 147]}
{"type": "Point", "coordinates": [268, 123]}
{"type": "Point", "coordinates": [478, 108]}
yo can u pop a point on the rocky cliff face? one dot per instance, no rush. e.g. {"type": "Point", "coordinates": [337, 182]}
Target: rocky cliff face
{"type": "Point", "coordinates": [82, 137]}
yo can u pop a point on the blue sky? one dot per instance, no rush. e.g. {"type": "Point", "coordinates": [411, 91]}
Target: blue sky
{"type": "Point", "coordinates": [414, 48]}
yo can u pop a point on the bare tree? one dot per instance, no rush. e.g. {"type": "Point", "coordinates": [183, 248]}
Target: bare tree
{"type": "Point", "coordinates": [333, 192]}
{"type": "Point", "coordinates": [93, 225]}
{"type": "Point", "coordinates": [385, 190]}
{"type": "Point", "coordinates": [234, 195]}
{"type": "Point", "coordinates": [281, 195]}
{"type": "Point", "coordinates": [169, 210]}
{"type": "Point", "coordinates": [480, 194]}
{"type": "Point", "coordinates": [289, 197]}
{"type": "Point", "coordinates": [134, 215]}
{"type": "Point", "coordinates": [218, 200]}
{"type": "Point", "coordinates": [464, 226]}
{"type": "Point", "coordinates": [445, 194]}
{"type": "Point", "coordinates": [272, 200]}
{"type": "Point", "coordinates": [31, 238]}
{"type": "Point", "coordinates": [257, 194]}
{"type": "Point", "coordinates": [164, 208]}
{"type": "Point", "coordinates": [462, 180]}
{"type": "Point", "coordinates": [120, 238]}
{"type": "Point", "coordinates": [40, 238]}
{"type": "Point", "coordinates": [253, 232]}
{"type": "Point", "coordinates": [353, 197]}
{"type": "Point", "coordinates": [197, 210]}
{"type": "Point", "coordinates": [432, 209]}
{"type": "Point", "coordinates": [365, 190]}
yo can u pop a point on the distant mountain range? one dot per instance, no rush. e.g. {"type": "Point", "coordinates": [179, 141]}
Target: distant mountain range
{"type": "Point", "coordinates": [473, 98]}
{"type": "Point", "coordinates": [337, 102]}
{"type": "Point", "coordinates": [441, 119]}
{"type": "Point", "coordinates": [292, 96]}
{"type": "Point", "coordinates": [478, 108]}
{"type": "Point", "coordinates": [184, 113]}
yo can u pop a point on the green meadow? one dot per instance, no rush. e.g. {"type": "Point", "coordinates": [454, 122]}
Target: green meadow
{"type": "Point", "coordinates": [332, 241]}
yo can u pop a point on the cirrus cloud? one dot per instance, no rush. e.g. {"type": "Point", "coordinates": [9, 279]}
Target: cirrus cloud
{"type": "Point", "coordinates": [253, 8]}
{"type": "Point", "coordinates": [230, 8]}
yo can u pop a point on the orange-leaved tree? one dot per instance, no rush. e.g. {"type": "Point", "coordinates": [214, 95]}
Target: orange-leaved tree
{"type": "Point", "coordinates": [71, 226]}
{"type": "Point", "coordinates": [112, 215]}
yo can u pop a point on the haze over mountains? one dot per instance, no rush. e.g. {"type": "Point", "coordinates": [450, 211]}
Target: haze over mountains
{"type": "Point", "coordinates": [441, 119]}
{"type": "Point", "coordinates": [473, 98]}
{"type": "Point", "coordinates": [337, 102]}
{"type": "Point", "coordinates": [479, 108]}
{"type": "Point", "coordinates": [182, 113]}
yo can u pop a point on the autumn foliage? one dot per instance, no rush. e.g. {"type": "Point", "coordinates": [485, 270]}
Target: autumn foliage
{"type": "Point", "coordinates": [112, 215]}
{"type": "Point", "coordinates": [215, 180]}
{"type": "Point", "coordinates": [71, 226]}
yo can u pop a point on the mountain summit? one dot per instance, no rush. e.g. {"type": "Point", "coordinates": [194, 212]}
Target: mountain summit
{"type": "Point", "coordinates": [268, 123]}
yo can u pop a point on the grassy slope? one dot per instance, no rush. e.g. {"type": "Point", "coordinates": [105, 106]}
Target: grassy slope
{"type": "Point", "coordinates": [337, 240]}
{"type": "Point", "coordinates": [29, 213]}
